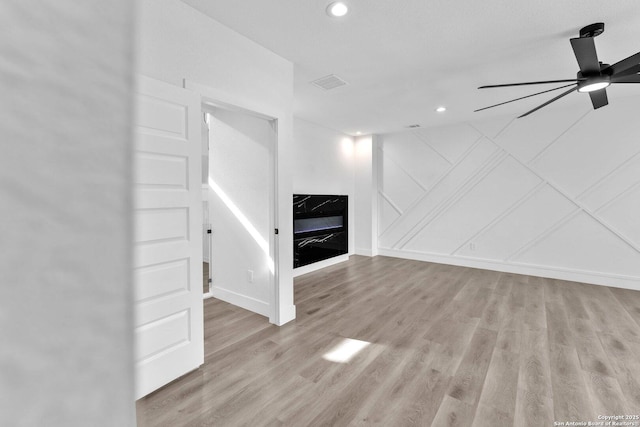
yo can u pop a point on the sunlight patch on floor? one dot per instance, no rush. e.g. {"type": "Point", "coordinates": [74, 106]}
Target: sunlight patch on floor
{"type": "Point", "coordinates": [345, 351]}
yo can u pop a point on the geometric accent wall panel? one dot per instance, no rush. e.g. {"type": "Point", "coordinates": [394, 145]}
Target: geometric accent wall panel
{"type": "Point", "coordinates": [388, 214]}
{"type": "Point", "coordinates": [525, 139]}
{"type": "Point", "coordinates": [540, 211]}
{"type": "Point", "coordinates": [587, 152]}
{"type": "Point", "coordinates": [557, 190]}
{"type": "Point", "coordinates": [493, 127]}
{"type": "Point", "coordinates": [398, 186]}
{"type": "Point", "coordinates": [439, 138]}
{"type": "Point", "coordinates": [625, 214]}
{"type": "Point", "coordinates": [431, 202]}
{"type": "Point", "coordinates": [477, 207]}
{"type": "Point", "coordinates": [620, 181]}
{"type": "Point", "coordinates": [419, 160]}
{"type": "Point", "coordinates": [584, 244]}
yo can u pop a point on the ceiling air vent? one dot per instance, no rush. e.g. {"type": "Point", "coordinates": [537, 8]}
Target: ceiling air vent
{"type": "Point", "coordinates": [412, 126]}
{"type": "Point", "coordinates": [329, 82]}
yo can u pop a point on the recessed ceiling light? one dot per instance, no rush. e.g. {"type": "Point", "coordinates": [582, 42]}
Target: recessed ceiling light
{"type": "Point", "coordinates": [358, 133]}
{"type": "Point", "coordinates": [441, 109]}
{"type": "Point", "coordinates": [337, 9]}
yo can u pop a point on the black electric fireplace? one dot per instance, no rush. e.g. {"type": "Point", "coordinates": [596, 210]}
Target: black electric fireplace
{"type": "Point", "coordinates": [319, 228]}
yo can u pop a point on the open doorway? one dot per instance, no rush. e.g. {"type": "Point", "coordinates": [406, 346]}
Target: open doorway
{"type": "Point", "coordinates": [206, 249]}
{"type": "Point", "coordinates": [239, 198]}
{"type": "Point", "coordinates": [206, 217]}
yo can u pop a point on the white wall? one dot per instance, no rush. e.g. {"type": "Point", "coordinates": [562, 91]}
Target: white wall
{"type": "Point", "coordinates": [241, 173]}
{"type": "Point", "coordinates": [365, 196]}
{"type": "Point", "coordinates": [323, 163]}
{"type": "Point", "coordinates": [177, 42]}
{"type": "Point", "coordinates": [555, 194]}
{"type": "Point", "coordinates": [66, 356]}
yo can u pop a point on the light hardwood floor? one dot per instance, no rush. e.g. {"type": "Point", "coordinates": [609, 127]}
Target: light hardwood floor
{"type": "Point", "coordinates": [448, 346]}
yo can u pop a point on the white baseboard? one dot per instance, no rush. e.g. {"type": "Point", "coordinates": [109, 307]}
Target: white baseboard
{"type": "Point", "coordinates": [594, 278]}
{"type": "Point", "coordinates": [363, 252]}
{"type": "Point", "coordinates": [243, 301]}
{"type": "Point", "coordinates": [320, 264]}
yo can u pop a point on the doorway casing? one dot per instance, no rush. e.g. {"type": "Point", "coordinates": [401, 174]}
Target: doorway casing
{"type": "Point", "coordinates": [279, 311]}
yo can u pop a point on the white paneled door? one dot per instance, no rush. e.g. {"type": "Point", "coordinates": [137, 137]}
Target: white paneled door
{"type": "Point", "coordinates": [168, 242]}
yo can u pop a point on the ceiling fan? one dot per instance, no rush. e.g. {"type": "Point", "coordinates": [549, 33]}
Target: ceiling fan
{"type": "Point", "coordinates": [593, 77]}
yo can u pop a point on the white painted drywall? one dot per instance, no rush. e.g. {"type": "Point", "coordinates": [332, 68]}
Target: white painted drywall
{"type": "Point", "coordinates": [240, 169]}
{"type": "Point", "coordinates": [365, 196]}
{"type": "Point", "coordinates": [323, 163]}
{"type": "Point", "coordinates": [177, 42]}
{"type": "Point", "coordinates": [66, 357]}
{"type": "Point", "coordinates": [554, 194]}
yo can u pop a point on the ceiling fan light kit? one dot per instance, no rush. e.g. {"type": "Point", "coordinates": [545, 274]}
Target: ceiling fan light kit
{"type": "Point", "coordinates": [594, 83]}
{"type": "Point", "coordinates": [592, 78]}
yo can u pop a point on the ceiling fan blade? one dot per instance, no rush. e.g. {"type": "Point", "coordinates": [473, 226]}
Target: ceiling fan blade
{"type": "Point", "coordinates": [523, 97]}
{"type": "Point", "coordinates": [628, 72]}
{"type": "Point", "coordinates": [529, 83]}
{"type": "Point", "coordinates": [629, 78]}
{"type": "Point", "coordinates": [621, 67]}
{"type": "Point", "coordinates": [598, 98]}
{"type": "Point", "coordinates": [585, 50]}
{"type": "Point", "coordinates": [573, 89]}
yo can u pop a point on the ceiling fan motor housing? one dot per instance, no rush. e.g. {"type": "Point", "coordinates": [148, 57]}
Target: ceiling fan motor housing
{"type": "Point", "coordinates": [593, 30]}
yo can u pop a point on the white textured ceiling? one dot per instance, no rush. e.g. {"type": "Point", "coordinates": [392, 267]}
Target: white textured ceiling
{"type": "Point", "coordinates": [403, 58]}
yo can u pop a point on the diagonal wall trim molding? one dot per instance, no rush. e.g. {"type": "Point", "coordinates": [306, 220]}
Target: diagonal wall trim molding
{"type": "Point", "coordinates": [503, 215]}
{"type": "Point", "coordinates": [411, 177]}
{"type": "Point", "coordinates": [410, 234]}
{"type": "Point", "coordinates": [403, 240]}
{"type": "Point", "coordinates": [499, 133]}
{"type": "Point", "coordinates": [551, 206]}
{"type": "Point", "coordinates": [413, 205]}
{"type": "Point", "coordinates": [578, 203]}
{"type": "Point", "coordinates": [548, 146]}
{"type": "Point", "coordinates": [546, 233]}
{"type": "Point", "coordinates": [615, 231]}
{"type": "Point", "coordinates": [617, 198]}
{"type": "Point", "coordinates": [595, 185]}
{"type": "Point", "coordinates": [588, 212]}
{"type": "Point", "coordinates": [388, 200]}
{"type": "Point", "coordinates": [491, 164]}
{"type": "Point", "coordinates": [425, 142]}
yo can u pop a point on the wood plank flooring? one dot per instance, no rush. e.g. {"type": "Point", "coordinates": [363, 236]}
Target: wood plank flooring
{"type": "Point", "coordinates": [443, 346]}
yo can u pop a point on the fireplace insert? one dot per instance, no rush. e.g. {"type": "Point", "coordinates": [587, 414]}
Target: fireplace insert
{"type": "Point", "coordinates": [319, 227]}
